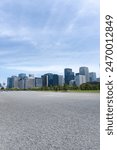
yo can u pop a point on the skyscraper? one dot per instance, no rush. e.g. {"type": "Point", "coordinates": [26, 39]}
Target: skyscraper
{"type": "Point", "coordinates": [57, 80]}
{"type": "Point", "coordinates": [29, 82]}
{"type": "Point", "coordinates": [80, 79]}
{"type": "Point", "coordinates": [84, 71]}
{"type": "Point", "coordinates": [92, 77]}
{"type": "Point", "coordinates": [61, 80]}
{"type": "Point", "coordinates": [38, 82]}
{"type": "Point", "coordinates": [69, 75]}
{"type": "Point", "coordinates": [47, 79]}
{"type": "Point", "coordinates": [12, 82]}
{"type": "Point", "coordinates": [44, 80]}
{"type": "Point", "coordinates": [22, 75]}
{"type": "Point", "coordinates": [22, 81]}
{"type": "Point", "coordinates": [9, 82]}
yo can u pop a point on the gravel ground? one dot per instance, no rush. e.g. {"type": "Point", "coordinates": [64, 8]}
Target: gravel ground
{"type": "Point", "coordinates": [49, 121]}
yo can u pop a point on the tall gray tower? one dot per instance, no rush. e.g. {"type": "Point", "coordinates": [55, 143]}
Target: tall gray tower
{"type": "Point", "coordinates": [84, 71]}
{"type": "Point", "coordinates": [69, 75]}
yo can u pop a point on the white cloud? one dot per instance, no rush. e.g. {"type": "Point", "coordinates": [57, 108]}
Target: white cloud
{"type": "Point", "coordinates": [59, 69]}
{"type": "Point", "coordinates": [53, 68]}
{"type": "Point", "coordinates": [36, 34]}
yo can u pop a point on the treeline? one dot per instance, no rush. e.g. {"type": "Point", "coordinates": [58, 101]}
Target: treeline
{"type": "Point", "coordinates": [84, 86]}
{"type": "Point", "coordinates": [90, 86]}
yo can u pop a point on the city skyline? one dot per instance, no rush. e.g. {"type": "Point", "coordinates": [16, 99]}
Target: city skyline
{"type": "Point", "coordinates": [36, 37]}
{"type": "Point", "coordinates": [62, 74]}
{"type": "Point", "coordinates": [22, 81]}
{"type": "Point", "coordinates": [54, 73]}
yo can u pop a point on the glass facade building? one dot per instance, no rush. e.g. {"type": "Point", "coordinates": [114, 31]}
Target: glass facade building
{"type": "Point", "coordinates": [92, 77]}
{"type": "Point", "coordinates": [68, 75]}
{"type": "Point", "coordinates": [84, 71]}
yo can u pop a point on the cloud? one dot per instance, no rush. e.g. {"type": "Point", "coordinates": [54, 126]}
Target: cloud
{"type": "Point", "coordinates": [56, 68]}
{"type": "Point", "coordinates": [38, 34]}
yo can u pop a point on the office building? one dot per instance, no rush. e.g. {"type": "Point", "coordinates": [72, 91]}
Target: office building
{"type": "Point", "coordinates": [58, 80]}
{"type": "Point", "coordinates": [22, 83]}
{"type": "Point", "coordinates": [9, 82]}
{"type": "Point", "coordinates": [22, 78]}
{"type": "Point", "coordinates": [55, 80]}
{"type": "Point", "coordinates": [12, 82]}
{"type": "Point", "coordinates": [47, 79]}
{"type": "Point", "coordinates": [38, 82]}
{"type": "Point", "coordinates": [15, 81]}
{"type": "Point", "coordinates": [80, 79]}
{"type": "Point", "coordinates": [92, 77]}
{"type": "Point", "coordinates": [50, 79]}
{"type": "Point", "coordinates": [22, 75]}
{"type": "Point", "coordinates": [29, 83]}
{"type": "Point", "coordinates": [61, 80]}
{"type": "Point", "coordinates": [44, 80]}
{"type": "Point", "coordinates": [68, 75]}
{"type": "Point", "coordinates": [84, 71]}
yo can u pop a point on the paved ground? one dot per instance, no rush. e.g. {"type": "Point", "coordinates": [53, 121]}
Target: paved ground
{"type": "Point", "coordinates": [49, 121]}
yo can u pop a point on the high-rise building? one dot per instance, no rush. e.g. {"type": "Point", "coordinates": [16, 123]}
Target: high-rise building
{"type": "Point", "coordinates": [29, 83]}
{"type": "Point", "coordinates": [84, 71]}
{"type": "Point", "coordinates": [22, 75]}
{"type": "Point", "coordinates": [15, 81]}
{"type": "Point", "coordinates": [21, 83]}
{"type": "Point", "coordinates": [92, 77]}
{"type": "Point", "coordinates": [9, 82]}
{"type": "Point", "coordinates": [61, 80]}
{"type": "Point", "coordinates": [22, 80]}
{"type": "Point", "coordinates": [58, 80]}
{"type": "Point", "coordinates": [68, 75]}
{"type": "Point", "coordinates": [47, 79]}
{"type": "Point", "coordinates": [38, 82]}
{"type": "Point", "coordinates": [44, 80]}
{"type": "Point", "coordinates": [55, 80]}
{"type": "Point", "coordinates": [80, 79]}
{"type": "Point", "coordinates": [12, 82]}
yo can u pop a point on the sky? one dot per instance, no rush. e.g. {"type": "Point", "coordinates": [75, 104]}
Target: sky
{"type": "Point", "coordinates": [42, 36]}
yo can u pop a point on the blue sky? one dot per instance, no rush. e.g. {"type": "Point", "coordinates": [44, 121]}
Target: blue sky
{"type": "Point", "coordinates": [40, 36]}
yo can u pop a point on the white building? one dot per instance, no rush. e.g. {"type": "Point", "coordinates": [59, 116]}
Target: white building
{"type": "Point", "coordinates": [80, 79]}
{"type": "Point", "coordinates": [84, 71]}
{"type": "Point", "coordinates": [15, 81]}
{"type": "Point", "coordinates": [60, 80]}
{"type": "Point", "coordinates": [29, 83]}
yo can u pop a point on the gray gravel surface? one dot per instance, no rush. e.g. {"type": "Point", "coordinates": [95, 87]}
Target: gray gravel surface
{"type": "Point", "coordinates": [49, 121]}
